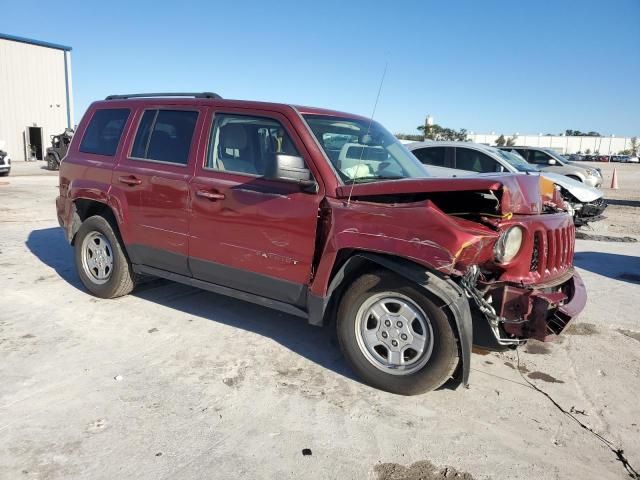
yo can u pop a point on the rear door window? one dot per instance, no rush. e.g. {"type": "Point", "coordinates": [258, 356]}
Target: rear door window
{"type": "Point", "coordinates": [104, 131]}
{"type": "Point", "coordinates": [431, 156]}
{"type": "Point", "coordinates": [165, 136]}
{"type": "Point", "coordinates": [475, 161]}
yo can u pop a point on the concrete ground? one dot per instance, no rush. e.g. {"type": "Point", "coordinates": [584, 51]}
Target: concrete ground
{"type": "Point", "coordinates": [177, 383]}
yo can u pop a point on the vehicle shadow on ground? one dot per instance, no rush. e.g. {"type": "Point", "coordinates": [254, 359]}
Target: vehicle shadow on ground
{"type": "Point", "coordinates": [624, 203]}
{"type": "Point", "coordinates": [316, 344]}
{"type": "Point", "coordinates": [52, 249]}
{"type": "Point", "coordinates": [619, 267]}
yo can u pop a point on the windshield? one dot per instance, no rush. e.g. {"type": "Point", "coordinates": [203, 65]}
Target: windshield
{"type": "Point", "coordinates": [363, 151]}
{"type": "Point", "coordinates": [517, 161]}
{"type": "Point", "coordinates": [559, 158]}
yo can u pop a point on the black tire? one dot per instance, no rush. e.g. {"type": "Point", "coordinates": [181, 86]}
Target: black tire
{"type": "Point", "coordinates": [52, 164]}
{"type": "Point", "coordinates": [444, 354]}
{"type": "Point", "coordinates": [4, 174]}
{"type": "Point", "coordinates": [121, 280]}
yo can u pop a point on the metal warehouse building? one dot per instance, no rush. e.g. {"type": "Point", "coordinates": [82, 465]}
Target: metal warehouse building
{"type": "Point", "coordinates": [36, 99]}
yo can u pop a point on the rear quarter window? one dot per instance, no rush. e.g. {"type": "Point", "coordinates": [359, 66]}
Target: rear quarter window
{"type": "Point", "coordinates": [103, 133]}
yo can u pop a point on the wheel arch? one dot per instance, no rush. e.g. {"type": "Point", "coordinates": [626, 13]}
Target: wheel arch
{"type": "Point", "coordinates": [448, 295]}
{"type": "Point", "coordinates": [575, 176]}
{"type": "Point", "coordinates": [84, 208]}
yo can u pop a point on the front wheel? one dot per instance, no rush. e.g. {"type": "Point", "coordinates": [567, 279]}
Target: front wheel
{"type": "Point", "coordinates": [101, 262]}
{"type": "Point", "coordinates": [395, 336]}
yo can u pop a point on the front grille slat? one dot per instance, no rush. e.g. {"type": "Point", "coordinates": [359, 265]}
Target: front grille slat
{"type": "Point", "coordinates": [552, 251]}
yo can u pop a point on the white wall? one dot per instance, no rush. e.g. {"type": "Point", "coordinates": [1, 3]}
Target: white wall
{"type": "Point", "coordinates": [604, 145]}
{"type": "Point", "coordinates": [32, 93]}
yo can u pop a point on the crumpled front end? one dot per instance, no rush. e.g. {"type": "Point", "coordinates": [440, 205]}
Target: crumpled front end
{"type": "Point", "coordinates": [538, 293]}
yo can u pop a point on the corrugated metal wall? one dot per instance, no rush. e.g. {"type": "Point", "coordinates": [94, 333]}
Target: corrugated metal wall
{"type": "Point", "coordinates": [603, 145]}
{"type": "Point", "coordinates": [32, 93]}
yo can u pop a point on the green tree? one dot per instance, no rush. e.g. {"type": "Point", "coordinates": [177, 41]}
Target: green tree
{"type": "Point", "coordinates": [500, 141]}
{"type": "Point", "coordinates": [634, 145]}
{"type": "Point", "coordinates": [511, 141]}
{"type": "Point", "coordinates": [587, 151]}
{"type": "Point", "coordinates": [436, 132]}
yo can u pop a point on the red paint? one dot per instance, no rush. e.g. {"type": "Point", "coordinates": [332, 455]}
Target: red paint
{"type": "Point", "coordinates": [270, 227]}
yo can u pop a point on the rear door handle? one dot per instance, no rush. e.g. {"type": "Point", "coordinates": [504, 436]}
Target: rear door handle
{"type": "Point", "coordinates": [130, 180]}
{"type": "Point", "coordinates": [213, 196]}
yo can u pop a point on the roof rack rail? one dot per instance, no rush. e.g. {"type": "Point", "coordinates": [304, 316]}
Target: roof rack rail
{"type": "Point", "coordinates": [174, 94]}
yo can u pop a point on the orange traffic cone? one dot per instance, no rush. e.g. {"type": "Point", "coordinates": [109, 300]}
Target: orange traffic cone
{"type": "Point", "coordinates": [614, 180]}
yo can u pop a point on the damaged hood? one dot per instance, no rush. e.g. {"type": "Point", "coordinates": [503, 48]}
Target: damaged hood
{"type": "Point", "coordinates": [518, 194]}
{"type": "Point", "coordinates": [582, 192]}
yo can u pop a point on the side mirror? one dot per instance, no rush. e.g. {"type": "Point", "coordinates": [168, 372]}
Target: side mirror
{"type": "Point", "coordinates": [552, 161]}
{"type": "Point", "coordinates": [292, 167]}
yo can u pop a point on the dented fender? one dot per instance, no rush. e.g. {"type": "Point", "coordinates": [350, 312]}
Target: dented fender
{"type": "Point", "coordinates": [417, 231]}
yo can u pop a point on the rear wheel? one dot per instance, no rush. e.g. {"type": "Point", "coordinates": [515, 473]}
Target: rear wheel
{"type": "Point", "coordinates": [101, 262]}
{"type": "Point", "coordinates": [394, 336]}
{"type": "Point", "coordinates": [52, 164]}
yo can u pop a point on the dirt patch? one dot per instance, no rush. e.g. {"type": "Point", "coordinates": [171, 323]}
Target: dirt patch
{"type": "Point", "coordinates": [537, 348]}
{"type": "Point", "coordinates": [603, 238]}
{"type": "Point", "coordinates": [545, 377]}
{"type": "Point", "coordinates": [630, 334]}
{"type": "Point", "coordinates": [480, 351]}
{"type": "Point", "coordinates": [423, 470]}
{"type": "Point", "coordinates": [522, 368]}
{"type": "Point", "coordinates": [581, 329]}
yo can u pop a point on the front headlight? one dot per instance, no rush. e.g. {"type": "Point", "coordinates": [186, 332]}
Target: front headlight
{"type": "Point", "coordinates": [593, 172]}
{"type": "Point", "coordinates": [508, 245]}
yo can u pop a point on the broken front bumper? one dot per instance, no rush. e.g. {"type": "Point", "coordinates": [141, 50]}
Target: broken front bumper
{"type": "Point", "coordinates": [540, 312]}
{"type": "Point", "coordinates": [590, 212]}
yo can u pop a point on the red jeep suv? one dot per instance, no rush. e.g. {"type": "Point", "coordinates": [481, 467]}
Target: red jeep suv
{"type": "Point", "coordinates": [323, 215]}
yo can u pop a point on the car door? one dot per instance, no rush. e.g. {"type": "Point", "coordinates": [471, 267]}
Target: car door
{"type": "Point", "coordinates": [542, 159]}
{"type": "Point", "coordinates": [152, 178]}
{"type": "Point", "coordinates": [251, 231]}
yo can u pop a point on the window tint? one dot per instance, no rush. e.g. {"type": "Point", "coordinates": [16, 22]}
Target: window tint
{"type": "Point", "coordinates": [538, 157]}
{"type": "Point", "coordinates": [104, 131]}
{"type": "Point", "coordinates": [165, 136]}
{"type": "Point", "coordinates": [245, 144]}
{"type": "Point", "coordinates": [140, 144]}
{"type": "Point", "coordinates": [431, 156]}
{"type": "Point", "coordinates": [475, 161]}
{"type": "Point", "coordinates": [524, 153]}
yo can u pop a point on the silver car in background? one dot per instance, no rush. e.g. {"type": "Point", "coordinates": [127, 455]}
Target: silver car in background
{"type": "Point", "coordinates": [459, 159]}
{"type": "Point", "coordinates": [548, 160]}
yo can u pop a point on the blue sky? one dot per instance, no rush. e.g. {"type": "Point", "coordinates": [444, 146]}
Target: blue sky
{"type": "Point", "coordinates": [529, 67]}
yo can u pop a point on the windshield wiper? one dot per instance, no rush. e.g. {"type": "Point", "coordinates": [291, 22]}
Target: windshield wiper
{"type": "Point", "coordinates": [373, 179]}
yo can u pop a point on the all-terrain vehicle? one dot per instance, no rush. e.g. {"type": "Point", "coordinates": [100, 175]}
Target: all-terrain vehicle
{"type": "Point", "coordinates": [58, 149]}
{"type": "Point", "coordinates": [5, 164]}
{"type": "Point", "coordinates": [323, 215]}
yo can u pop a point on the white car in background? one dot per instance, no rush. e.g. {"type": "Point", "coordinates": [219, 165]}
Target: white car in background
{"type": "Point", "coordinates": [458, 159]}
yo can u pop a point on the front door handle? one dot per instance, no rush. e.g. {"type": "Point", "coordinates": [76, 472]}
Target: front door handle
{"type": "Point", "coordinates": [213, 196]}
{"type": "Point", "coordinates": [130, 180]}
